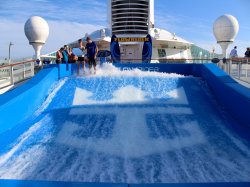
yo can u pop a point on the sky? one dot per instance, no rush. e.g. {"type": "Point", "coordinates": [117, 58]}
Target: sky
{"type": "Point", "coordinates": [69, 20]}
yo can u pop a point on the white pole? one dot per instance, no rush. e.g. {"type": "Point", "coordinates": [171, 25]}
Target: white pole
{"type": "Point", "coordinates": [9, 50]}
{"type": "Point", "coordinates": [37, 47]}
{"type": "Point", "coordinates": [224, 46]}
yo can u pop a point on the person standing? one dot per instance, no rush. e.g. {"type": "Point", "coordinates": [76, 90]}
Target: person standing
{"type": "Point", "coordinates": [65, 55]}
{"type": "Point", "coordinates": [234, 52]}
{"type": "Point", "coordinates": [81, 45]}
{"type": "Point", "coordinates": [92, 51]}
{"type": "Point", "coordinates": [59, 56]}
{"type": "Point", "coordinates": [247, 53]}
{"type": "Point", "coordinates": [72, 57]}
{"type": "Point", "coordinates": [81, 60]}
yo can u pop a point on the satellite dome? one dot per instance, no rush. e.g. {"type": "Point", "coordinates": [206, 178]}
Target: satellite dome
{"type": "Point", "coordinates": [226, 28]}
{"type": "Point", "coordinates": [36, 30]}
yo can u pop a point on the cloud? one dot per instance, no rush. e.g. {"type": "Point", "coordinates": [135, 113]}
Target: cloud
{"type": "Point", "coordinates": [71, 19]}
{"type": "Point", "coordinates": [68, 22]}
{"type": "Point", "coordinates": [177, 23]}
{"type": "Point", "coordinates": [199, 31]}
{"type": "Point", "coordinates": [70, 10]}
{"type": "Point", "coordinates": [208, 45]}
{"type": "Point", "coordinates": [61, 32]}
{"type": "Point", "coordinates": [169, 22]}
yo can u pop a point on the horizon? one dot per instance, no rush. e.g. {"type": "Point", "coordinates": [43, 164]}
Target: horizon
{"type": "Point", "coordinates": [191, 20]}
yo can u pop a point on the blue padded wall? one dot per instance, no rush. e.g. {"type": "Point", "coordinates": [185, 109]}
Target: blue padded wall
{"type": "Point", "coordinates": [233, 96]}
{"type": "Point", "coordinates": [18, 104]}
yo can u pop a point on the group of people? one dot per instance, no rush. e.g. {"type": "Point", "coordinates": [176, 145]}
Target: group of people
{"type": "Point", "coordinates": [65, 55]}
{"type": "Point", "coordinates": [234, 53]}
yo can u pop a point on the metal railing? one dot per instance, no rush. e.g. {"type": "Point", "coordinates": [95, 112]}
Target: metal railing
{"type": "Point", "coordinates": [238, 68]}
{"type": "Point", "coordinates": [15, 73]}
{"type": "Point", "coordinates": [167, 60]}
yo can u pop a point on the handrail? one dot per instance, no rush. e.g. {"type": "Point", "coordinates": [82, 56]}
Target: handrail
{"type": "Point", "coordinates": [18, 63]}
{"type": "Point", "coordinates": [239, 68]}
{"type": "Point", "coordinates": [235, 59]}
{"type": "Point", "coordinates": [241, 71]}
{"type": "Point", "coordinates": [16, 72]}
{"type": "Point", "coordinates": [240, 59]}
{"type": "Point", "coordinates": [210, 59]}
{"type": "Point", "coordinates": [176, 59]}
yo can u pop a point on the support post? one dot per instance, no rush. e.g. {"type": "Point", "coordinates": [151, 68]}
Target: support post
{"type": "Point", "coordinates": [11, 75]}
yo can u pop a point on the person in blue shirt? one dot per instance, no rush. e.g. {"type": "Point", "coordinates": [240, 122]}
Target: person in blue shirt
{"type": "Point", "coordinates": [92, 51]}
{"type": "Point", "coordinates": [234, 53]}
{"type": "Point", "coordinates": [65, 55]}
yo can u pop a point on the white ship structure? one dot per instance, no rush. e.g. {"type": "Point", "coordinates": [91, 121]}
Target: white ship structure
{"type": "Point", "coordinates": [131, 21]}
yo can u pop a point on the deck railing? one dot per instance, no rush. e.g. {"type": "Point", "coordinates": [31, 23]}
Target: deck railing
{"type": "Point", "coordinates": [15, 73]}
{"type": "Point", "coordinates": [238, 68]}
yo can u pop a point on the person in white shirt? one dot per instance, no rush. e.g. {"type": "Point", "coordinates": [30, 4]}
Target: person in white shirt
{"type": "Point", "coordinates": [234, 53]}
{"type": "Point", "coordinates": [81, 59]}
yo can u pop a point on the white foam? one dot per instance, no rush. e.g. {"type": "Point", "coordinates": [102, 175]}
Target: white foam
{"type": "Point", "coordinates": [82, 97]}
{"type": "Point", "coordinates": [130, 136]}
{"type": "Point", "coordinates": [130, 140]}
{"type": "Point", "coordinates": [24, 165]}
{"type": "Point", "coordinates": [51, 96]}
{"type": "Point", "coordinates": [178, 96]}
{"type": "Point", "coordinates": [108, 70]}
{"type": "Point", "coordinates": [129, 94]}
{"type": "Point", "coordinates": [22, 139]}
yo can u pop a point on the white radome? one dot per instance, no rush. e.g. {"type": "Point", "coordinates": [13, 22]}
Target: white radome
{"type": "Point", "coordinates": [226, 28]}
{"type": "Point", "coordinates": [36, 30]}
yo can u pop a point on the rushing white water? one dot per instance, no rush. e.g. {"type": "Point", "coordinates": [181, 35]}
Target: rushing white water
{"type": "Point", "coordinates": [129, 94]}
{"type": "Point", "coordinates": [148, 128]}
{"type": "Point", "coordinates": [20, 141]}
{"type": "Point", "coordinates": [108, 70]}
{"type": "Point", "coordinates": [52, 94]}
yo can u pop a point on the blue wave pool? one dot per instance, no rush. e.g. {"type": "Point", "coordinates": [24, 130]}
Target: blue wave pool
{"type": "Point", "coordinates": [127, 129]}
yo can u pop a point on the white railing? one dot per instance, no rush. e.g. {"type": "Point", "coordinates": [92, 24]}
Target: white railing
{"type": "Point", "coordinates": [239, 68]}
{"type": "Point", "coordinates": [14, 73]}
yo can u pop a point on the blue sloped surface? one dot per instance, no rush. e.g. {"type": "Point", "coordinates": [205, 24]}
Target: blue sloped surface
{"type": "Point", "coordinates": [132, 130]}
{"type": "Point", "coordinates": [129, 130]}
